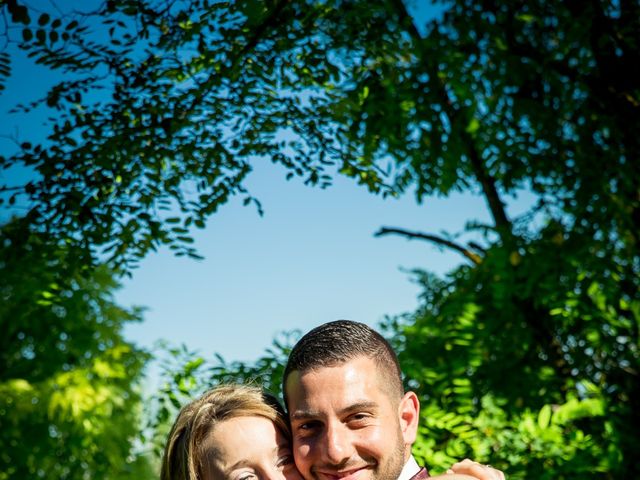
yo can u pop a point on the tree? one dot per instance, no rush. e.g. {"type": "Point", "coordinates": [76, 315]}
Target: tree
{"type": "Point", "coordinates": [70, 399]}
{"type": "Point", "coordinates": [491, 98]}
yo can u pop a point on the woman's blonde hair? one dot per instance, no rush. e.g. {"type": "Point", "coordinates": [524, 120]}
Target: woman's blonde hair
{"type": "Point", "coordinates": [187, 452]}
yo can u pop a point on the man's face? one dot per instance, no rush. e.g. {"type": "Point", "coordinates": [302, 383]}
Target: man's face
{"type": "Point", "coordinates": [346, 426]}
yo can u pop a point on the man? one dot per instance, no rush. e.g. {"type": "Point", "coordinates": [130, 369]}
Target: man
{"type": "Point", "coordinates": [350, 417]}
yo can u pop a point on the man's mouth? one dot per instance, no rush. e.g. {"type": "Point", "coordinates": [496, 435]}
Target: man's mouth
{"type": "Point", "coordinates": [347, 474]}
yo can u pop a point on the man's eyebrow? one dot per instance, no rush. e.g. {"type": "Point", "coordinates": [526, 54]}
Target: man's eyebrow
{"type": "Point", "coordinates": [302, 414]}
{"type": "Point", "coordinates": [358, 406]}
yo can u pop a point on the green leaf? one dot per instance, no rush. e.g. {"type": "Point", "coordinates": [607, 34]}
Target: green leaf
{"type": "Point", "coordinates": [27, 34]}
{"type": "Point", "coordinates": [473, 126]}
{"type": "Point", "coordinates": [526, 18]}
{"type": "Point", "coordinates": [43, 19]}
{"type": "Point", "coordinates": [544, 417]}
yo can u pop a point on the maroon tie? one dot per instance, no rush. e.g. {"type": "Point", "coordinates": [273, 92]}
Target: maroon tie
{"type": "Point", "coordinates": [421, 475]}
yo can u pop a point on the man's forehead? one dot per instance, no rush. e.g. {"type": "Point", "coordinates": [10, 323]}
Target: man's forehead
{"type": "Point", "coordinates": [356, 361]}
{"type": "Point", "coordinates": [354, 378]}
{"type": "Point", "coordinates": [351, 367]}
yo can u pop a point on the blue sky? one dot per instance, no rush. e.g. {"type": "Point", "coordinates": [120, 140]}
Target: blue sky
{"type": "Point", "coordinates": [312, 258]}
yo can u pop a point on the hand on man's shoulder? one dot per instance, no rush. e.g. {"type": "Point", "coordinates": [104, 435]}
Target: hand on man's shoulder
{"type": "Point", "coordinates": [454, 476]}
{"type": "Point", "coordinates": [470, 470]}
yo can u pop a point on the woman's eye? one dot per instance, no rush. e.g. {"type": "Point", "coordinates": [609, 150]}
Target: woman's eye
{"type": "Point", "coordinates": [285, 460]}
{"type": "Point", "coordinates": [243, 475]}
{"type": "Point", "coordinates": [246, 476]}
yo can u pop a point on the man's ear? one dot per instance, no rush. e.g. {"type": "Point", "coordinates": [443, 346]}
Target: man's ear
{"type": "Point", "coordinates": [409, 413]}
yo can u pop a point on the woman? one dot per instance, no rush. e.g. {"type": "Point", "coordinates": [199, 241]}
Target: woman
{"type": "Point", "coordinates": [238, 432]}
{"type": "Point", "coordinates": [233, 432]}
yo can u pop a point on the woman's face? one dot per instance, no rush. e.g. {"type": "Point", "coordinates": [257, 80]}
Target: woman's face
{"type": "Point", "coordinates": [251, 448]}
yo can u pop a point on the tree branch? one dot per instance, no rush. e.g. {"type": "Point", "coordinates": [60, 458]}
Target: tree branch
{"type": "Point", "coordinates": [487, 182]}
{"type": "Point", "coordinates": [406, 19]}
{"type": "Point", "coordinates": [474, 257]}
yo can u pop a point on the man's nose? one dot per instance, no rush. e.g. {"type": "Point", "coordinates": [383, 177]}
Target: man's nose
{"type": "Point", "coordinates": [337, 444]}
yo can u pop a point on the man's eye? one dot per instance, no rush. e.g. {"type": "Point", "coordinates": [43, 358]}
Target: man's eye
{"type": "Point", "coordinates": [359, 417]}
{"type": "Point", "coordinates": [308, 426]}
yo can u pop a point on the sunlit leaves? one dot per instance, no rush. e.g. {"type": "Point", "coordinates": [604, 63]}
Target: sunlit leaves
{"type": "Point", "coordinates": [531, 442]}
{"type": "Point", "coordinates": [69, 381]}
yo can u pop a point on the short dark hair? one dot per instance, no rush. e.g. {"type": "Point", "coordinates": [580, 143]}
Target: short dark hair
{"type": "Point", "coordinates": [337, 342]}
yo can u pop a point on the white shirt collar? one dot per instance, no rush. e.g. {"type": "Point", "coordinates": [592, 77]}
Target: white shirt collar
{"type": "Point", "coordinates": [410, 469]}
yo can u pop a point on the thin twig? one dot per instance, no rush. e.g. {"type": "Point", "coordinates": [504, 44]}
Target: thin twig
{"type": "Point", "coordinates": [474, 257]}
